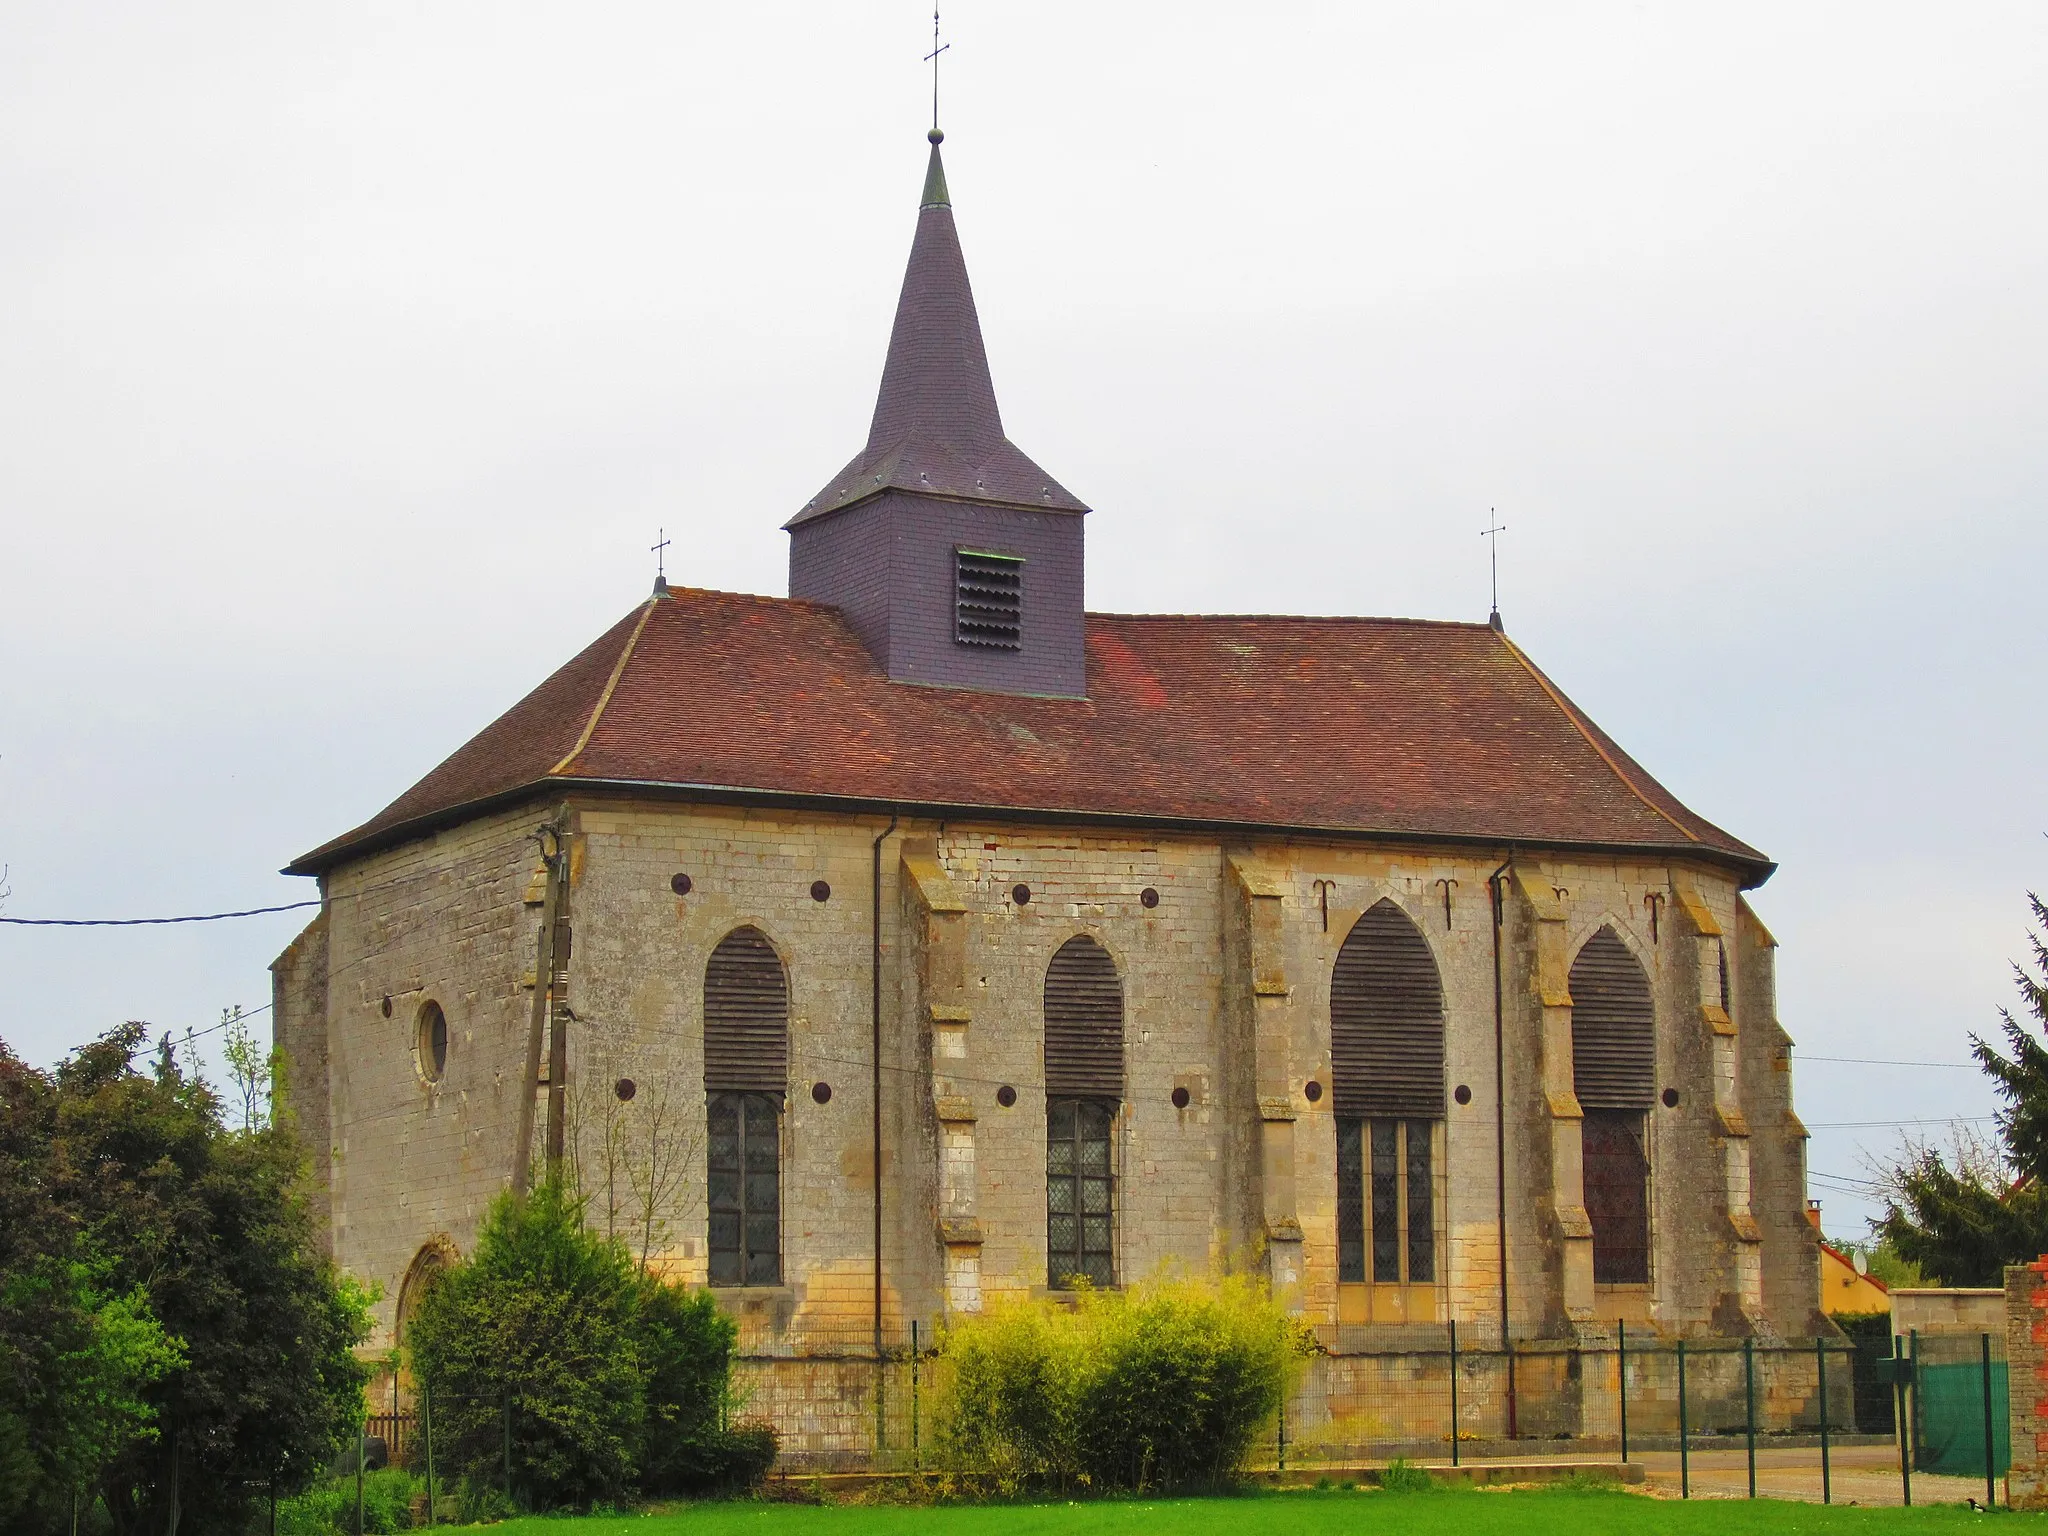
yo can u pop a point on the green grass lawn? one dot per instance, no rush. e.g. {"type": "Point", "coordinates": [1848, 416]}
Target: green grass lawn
{"type": "Point", "coordinates": [1452, 1513]}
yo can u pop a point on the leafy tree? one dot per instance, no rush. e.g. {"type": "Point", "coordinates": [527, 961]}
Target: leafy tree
{"type": "Point", "coordinates": [1961, 1217]}
{"type": "Point", "coordinates": [75, 1356]}
{"type": "Point", "coordinates": [200, 1232]}
{"type": "Point", "coordinates": [607, 1378]}
{"type": "Point", "coordinates": [536, 1329]}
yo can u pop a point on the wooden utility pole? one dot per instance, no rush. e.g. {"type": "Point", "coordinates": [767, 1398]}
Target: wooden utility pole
{"type": "Point", "coordinates": [547, 973]}
{"type": "Point", "coordinates": [558, 1019]}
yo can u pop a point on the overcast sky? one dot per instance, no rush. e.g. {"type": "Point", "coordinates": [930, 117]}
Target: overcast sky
{"type": "Point", "coordinates": [354, 354]}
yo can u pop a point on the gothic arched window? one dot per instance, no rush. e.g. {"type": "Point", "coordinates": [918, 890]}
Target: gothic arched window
{"type": "Point", "coordinates": [1084, 1088]}
{"type": "Point", "coordinates": [1614, 1075]}
{"type": "Point", "coordinates": [1387, 1084]}
{"type": "Point", "coordinates": [746, 1073]}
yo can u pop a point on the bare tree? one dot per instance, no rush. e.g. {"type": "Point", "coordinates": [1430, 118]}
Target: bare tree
{"type": "Point", "coordinates": [665, 1152]}
{"type": "Point", "coordinates": [634, 1149]}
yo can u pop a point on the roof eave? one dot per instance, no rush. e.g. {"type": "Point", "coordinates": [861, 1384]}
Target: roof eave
{"type": "Point", "coordinates": [1753, 872]}
{"type": "Point", "coordinates": [1074, 508]}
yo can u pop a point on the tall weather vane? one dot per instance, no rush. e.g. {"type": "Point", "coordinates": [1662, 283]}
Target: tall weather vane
{"type": "Point", "coordinates": [932, 59]}
{"type": "Point", "coordinates": [659, 549]}
{"type": "Point", "coordinates": [1493, 530]}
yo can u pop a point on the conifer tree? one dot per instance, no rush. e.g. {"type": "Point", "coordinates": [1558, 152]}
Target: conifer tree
{"type": "Point", "coordinates": [1962, 1217]}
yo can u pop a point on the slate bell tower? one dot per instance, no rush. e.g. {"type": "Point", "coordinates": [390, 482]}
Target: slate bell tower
{"type": "Point", "coordinates": [954, 557]}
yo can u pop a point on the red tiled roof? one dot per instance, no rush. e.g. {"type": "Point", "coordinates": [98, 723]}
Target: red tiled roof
{"type": "Point", "coordinates": [1394, 727]}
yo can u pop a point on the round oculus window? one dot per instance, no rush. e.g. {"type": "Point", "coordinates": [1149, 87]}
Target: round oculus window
{"type": "Point", "coordinates": [1021, 894]}
{"type": "Point", "coordinates": [433, 1042]}
{"type": "Point", "coordinates": [1148, 898]}
{"type": "Point", "coordinates": [1006, 1095]}
{"type": "Point", "coordinates": [1180, 1098]}
{"type": "Point", "coordinates": [820, 891]}
{"type": "Point", "coordinates": [1462, 1094]}
{"type": "Point", "coordinates": [821, 1093]}
{"type": "Point", "coordinates": [680, 884]}
{"type": "Point", "coordinates": [625, 1088]}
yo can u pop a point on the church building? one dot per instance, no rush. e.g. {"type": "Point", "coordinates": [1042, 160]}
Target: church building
{"type": "Point", "coordinates": [921, 939]}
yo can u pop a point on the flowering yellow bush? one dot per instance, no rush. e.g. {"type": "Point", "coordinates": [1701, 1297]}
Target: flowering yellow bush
{"type": "Point", "coordinates": [1161, 1386]}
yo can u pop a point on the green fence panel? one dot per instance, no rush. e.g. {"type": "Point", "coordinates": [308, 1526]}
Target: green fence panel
{"type": "Point", "coordinates": [1949, 1418]}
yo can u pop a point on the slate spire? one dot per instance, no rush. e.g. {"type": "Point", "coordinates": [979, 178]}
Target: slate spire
{"type": "Point", "coordinates": [936, 426]}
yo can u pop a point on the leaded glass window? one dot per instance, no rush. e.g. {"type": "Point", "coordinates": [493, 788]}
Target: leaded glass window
{"type": "Point", "coordinates": [1386, 1201]}
{"type": "Point", "coordinates": [1080, 1192]}
{"type": "Point", "coordinates": [745, 1189]}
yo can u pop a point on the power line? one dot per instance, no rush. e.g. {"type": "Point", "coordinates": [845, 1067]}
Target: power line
{"type": "Point", "coordinates": [1885, 1061]}
{"type": "Point", "coordinates": [147, 922]}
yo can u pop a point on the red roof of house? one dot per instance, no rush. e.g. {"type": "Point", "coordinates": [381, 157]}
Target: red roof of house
{"type": "Point", "coordinates": [1356, 727]}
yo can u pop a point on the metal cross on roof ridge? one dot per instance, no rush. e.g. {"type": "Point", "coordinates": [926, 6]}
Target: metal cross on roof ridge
{"type": "Point", "coordinates": [659, 550]}
{"type": "Point", "coordinates": [1493, 531]}
{"type": "Point", "coordinates": [932, 59]}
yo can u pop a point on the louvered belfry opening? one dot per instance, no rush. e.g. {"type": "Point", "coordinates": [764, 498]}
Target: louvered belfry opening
{"type": "Point", "coordinates": [1387, 1087]}
{"type": "Point", "coordinates": [746, 1073]}
{"type": "Point", "coordinates": [988, 600]}
{"type": "Point", "coordinates": [1084, 1089]}
{"type": "Point", "coordinates": [1614, 1075]}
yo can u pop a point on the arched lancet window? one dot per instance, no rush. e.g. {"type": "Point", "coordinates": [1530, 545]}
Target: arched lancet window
{"type": "Point", "coordinates": [1387, 1087]}
{"type": "Point", "coordinates": [1614, 1075]}
{"type": "Point", "coordinates": [746, 1073]}
{"type": "Point", "coordinates": [1084, 1087]}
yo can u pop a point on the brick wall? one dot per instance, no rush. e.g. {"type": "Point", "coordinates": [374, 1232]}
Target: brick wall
{"type": "Point", "coordinates": [2026, 1354]}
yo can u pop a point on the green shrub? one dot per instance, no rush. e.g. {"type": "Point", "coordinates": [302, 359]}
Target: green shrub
{"type": "Point", "coordinates": [1157, 1388]}
{"type": "Point", "coordinates": [328, 1508]}
{"type": "Point", "coordinates": [616, 1381]}
{"type": "Point", "coordinates": [537, 1324]}
{"type": "Point", "coordinates": [686, 1347]}
{"type": "Point", "coordinates": [1402, 1476]}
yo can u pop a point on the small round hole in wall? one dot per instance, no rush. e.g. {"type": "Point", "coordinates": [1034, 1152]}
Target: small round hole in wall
{"type": "Point", "coordinates": [820, 891]}
{"type": "Point", "coordinates": [680, 884]}
{"type": "Point", "coordinates": [1180, 1098]}
{"type": "Point", "coordinates": [1006, 1095]}
{"type": "Point", "coordinates": [1148, 898]}
{"type": "Point", "coordinates": [1671, 1098]}
{"type": "Point", "coordinates": [387, 1005]}
{"type": "Point", "coordinates": [625, 1088]}
{"type": "Point", "coordinates": [1021, 894]}
{"type": "Point", "coordinates": [1312, 1090]}
{"type": "Point", "coordinates": [1462, 1094]}
{"type": "Point", "coordinates": [821, 1093]}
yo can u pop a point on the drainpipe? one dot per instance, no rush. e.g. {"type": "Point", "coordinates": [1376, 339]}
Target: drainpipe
{"type": "Point", "coordinates": [1500, 1126]}
{"type": "Point", "coordinates": [875, 1059]}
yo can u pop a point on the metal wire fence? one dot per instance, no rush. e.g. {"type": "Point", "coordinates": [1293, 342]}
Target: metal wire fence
{"type": "Point", "coordinates": [1731, 1417]}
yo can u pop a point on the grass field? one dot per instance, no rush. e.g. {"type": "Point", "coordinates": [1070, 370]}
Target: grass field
{"type": "Point", "coordinates": [1333, 1513]}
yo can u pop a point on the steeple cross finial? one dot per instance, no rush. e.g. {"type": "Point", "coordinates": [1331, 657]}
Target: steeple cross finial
{"type": "Point", "coordinates": [932, 59]}
{"type": "Point", "coordinates": [1494, 529]}
{"type": "Point", "coordinates": [659, 550]}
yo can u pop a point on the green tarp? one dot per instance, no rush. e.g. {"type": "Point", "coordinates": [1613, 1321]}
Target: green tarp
{"type": "Point", "coordinates": [1948, 1427]}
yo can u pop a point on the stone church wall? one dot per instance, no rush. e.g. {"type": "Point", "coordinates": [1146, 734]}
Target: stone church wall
{"type": "Point", "coordinates": [1226, 986]}
{"type": "Point", "coordinates": [445, 919]}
